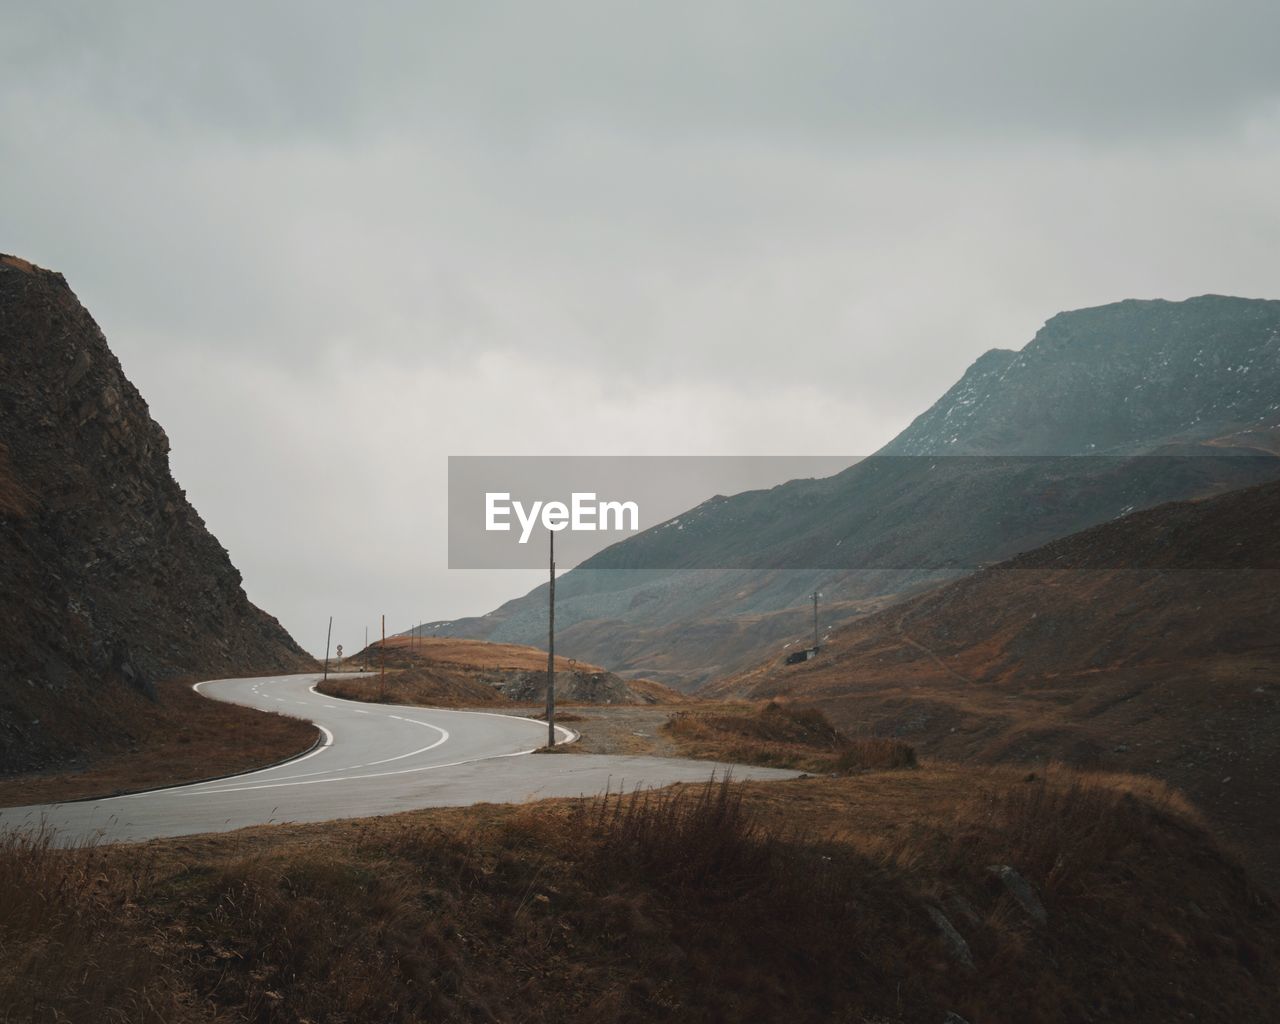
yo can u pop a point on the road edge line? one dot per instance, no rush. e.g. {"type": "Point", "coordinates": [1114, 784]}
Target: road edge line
{"type": "Point", "coordinates": [573, 734]}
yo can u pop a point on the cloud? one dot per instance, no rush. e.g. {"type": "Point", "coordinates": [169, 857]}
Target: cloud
{"type": "Point", "coordinates": [334, 245]}
{"type": "Point", "coordinates": [334, 72]}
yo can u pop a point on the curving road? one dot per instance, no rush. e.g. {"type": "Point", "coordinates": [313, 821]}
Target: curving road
{"type": "Point", "coordinates": [372, 759]}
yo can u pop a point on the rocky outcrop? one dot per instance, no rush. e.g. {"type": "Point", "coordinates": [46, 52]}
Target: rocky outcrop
{"type": "Point", "coordinates": [1020, 889]}
{"type": "Point", "coordinates": [108, 576]}
{"type": "Point", "coordinates": [956, 946]}
{"type": "Point", "coordinates": [575, 686]}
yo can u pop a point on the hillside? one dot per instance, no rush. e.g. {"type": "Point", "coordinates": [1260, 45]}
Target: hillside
{"type": "Point", "coordinates": [110, 581]}
{"type": "Point", "coordinates": [1149, 644]}
{"type": "Point", "coordinates": [1106, 410]}
{"type": "Point", "coordinates": [464, 673]}
{"type": "Point", "coordinates": [925, 897]}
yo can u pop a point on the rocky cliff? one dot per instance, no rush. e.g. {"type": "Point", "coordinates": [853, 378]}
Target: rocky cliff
{"type": "Point", "coordinates": [109, 580]}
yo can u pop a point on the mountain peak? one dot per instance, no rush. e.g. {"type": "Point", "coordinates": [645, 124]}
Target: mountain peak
{"type": "Point", "coordinates": [1121, 377]}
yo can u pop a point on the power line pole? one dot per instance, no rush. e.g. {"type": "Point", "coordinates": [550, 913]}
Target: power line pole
{"type": "Point", "coordinates": [366, 648]}
{"type": "Point", "coordinates": [382, 658]}
{"type": "Point", "coordinates": [551, 647]}
{"type": "Point", "coordinates": [327, 638]}
{"type": "Point", "coordinates": [816, 595]}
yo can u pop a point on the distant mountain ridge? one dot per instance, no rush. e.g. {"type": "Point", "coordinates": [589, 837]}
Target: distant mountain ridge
{"type": "Point", "coordinates": [109, 580]}
{"type": "Point", "coordinates": [1113, 379]}
{"type": "Point", "coordinates": [1127, 380]}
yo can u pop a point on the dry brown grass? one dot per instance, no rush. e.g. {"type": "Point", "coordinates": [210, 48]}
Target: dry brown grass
{"type": "Point", "coordinates": [401, 651]}
{"type": "Point", "coordinates": [130, 743]}
{"type": "Point", "coordinates": [420, 685]}
{"type": "Point", "coordinates": [725, 903]}
{"type": "Point", "coordinates": [782, 735]}
{"type": "Point", "coordinates": [868, 752]}
{"type": "Point", "coordinates": [1156, 653]}
{"type": "Point", "coordinates": [72, 942]}
{"type": "Point", "coordinates": [446, 667]}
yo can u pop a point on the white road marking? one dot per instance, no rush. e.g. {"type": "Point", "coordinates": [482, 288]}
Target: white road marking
{"type": "Point", "coordinates": [219, 786]}
{"type": "Point", "coordinates": [333, 772]}
{"type": "Point", "coordinates": [379, 775]}
{"type": "Point", "coordinates": [569, 735]}
{"type": "Point", "coordinates": [328, 742]}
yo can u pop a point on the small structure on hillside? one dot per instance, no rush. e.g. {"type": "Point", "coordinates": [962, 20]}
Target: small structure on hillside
{"type": "Point", "coordinates": [795, 657]}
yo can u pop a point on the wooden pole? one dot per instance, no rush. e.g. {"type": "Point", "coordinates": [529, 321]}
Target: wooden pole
{"type": "Point", "coordinates": [382, 658]}
{"type": "Point", "coordinates": [816, 595]}
{"type": "Point", "coordinates": [327, 637]}
{"type": "Point", "coordinates": [551, 648]}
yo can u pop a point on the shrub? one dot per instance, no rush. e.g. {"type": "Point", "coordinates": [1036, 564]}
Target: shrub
{"type": "Point", "coordinates": [875, 752]}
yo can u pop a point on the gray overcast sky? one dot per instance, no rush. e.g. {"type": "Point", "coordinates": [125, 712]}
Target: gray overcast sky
{"type": "Point", "coordinates": [333, 244]}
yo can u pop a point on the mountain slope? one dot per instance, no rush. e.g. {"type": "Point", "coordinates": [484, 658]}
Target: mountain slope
{"type": "Point", "coordinates": [109, 579]}
{"type": "Point", "coordinates": [438, 672]}
{"type": "Point", "coordinates": [1149, 644]}
{"type": "Point", "coordinates": [1118, 383]}
{"type": "Point", "coordinates": [1113, 378]}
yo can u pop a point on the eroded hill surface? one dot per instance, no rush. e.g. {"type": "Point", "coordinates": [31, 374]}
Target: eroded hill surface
{"type": "Point", "coordinates": [1157, 650]}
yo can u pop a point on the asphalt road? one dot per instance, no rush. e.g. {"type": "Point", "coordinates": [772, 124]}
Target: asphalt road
{"type": "Point", "coordinates": [374, 759]}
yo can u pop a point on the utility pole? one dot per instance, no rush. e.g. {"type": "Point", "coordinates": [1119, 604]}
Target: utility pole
{"type": "Point", "coordinates": [551, 647]}
{"type": "Point", "coordinates": [816, 595]}
{"type": "Point", "coordinates": [366, 648]}
{"type": "Point", "coordinates": [382, 658]}
{"type": "Point", "coordinates": [327, 637]}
